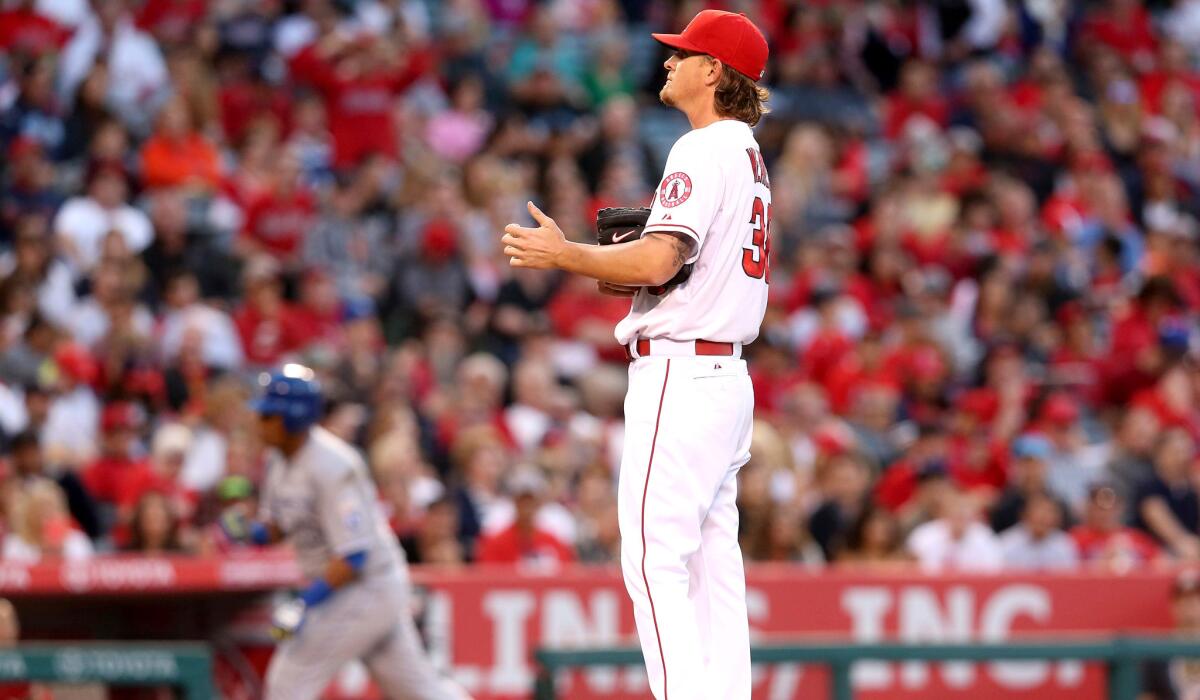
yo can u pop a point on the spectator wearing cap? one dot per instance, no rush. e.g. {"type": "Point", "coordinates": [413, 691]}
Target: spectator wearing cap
{"type": "Point", "coordinates": [69, 433]}
{"type": "Point", "coordinates": [30, 468]}
{"type": "Point", "coordinates": [1038, 542]}
{"type": "Point", "coordinates": [924, 457]}
{"type": "Point", "coordinates": [40, 525]}
{"type": "Point", "coordinates": [1177, 679]}
{"type": "Point", "coordinates": [956, 540]}
{"type": "Point", "coordinates": [362, 355]}
{"type": "Point", "coordinates": [525, 542]}
{"type": "Point", "coordinates": [118, 476]}
{"type": "Point", "coordinates": [1167, 506]}
{"type": "Point", "coordinates": [84, 221]}
{"type": "Point", "coordinates": [1027, 477]}
{"type": "Point", "coordinates": [1103, 538]}
{"type": "Point", "coordinates": [25, 31]}
{"type": "Point", "coordinates": [1072, 465]}
{"type": "Point", "coordinates": [169, 449]}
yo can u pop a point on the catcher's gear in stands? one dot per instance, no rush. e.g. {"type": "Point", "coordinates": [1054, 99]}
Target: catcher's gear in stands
{"type": "Point", "coordinates": [292, 393]}
{"type": "Point", "coordinates": [625, 224]}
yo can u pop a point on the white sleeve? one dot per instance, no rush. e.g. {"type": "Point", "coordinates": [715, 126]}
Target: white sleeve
{"type": "Point", "coordinates": [689, 194]}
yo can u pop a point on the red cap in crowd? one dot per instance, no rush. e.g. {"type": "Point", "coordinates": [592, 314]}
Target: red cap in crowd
{"type": "Point", "coordinates": [1060, 409]}
{"type": "Point", "coordinates": [74, 361]}
{"type": "Point", "coordinates": [121, 415]}
{"type": "Point", "coordinates": [730, 38]}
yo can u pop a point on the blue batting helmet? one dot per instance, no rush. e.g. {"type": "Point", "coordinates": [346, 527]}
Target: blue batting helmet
{"type": "Point", "coordinates": [293, 393]}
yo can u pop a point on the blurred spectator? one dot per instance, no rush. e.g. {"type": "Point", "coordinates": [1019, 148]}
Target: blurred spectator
{"type": "Point", "coordinates": [1104, 538]}
{"type": "Point", "coordinates": [1038, 542]}
{"type": "Point", "coordinates": [39, 525]}
{"type": "Point", "coordinates": [956, 540]}
{"type": "Point", "coordinates": [268, 325]}
{"type": "Point", "coordinates": [10, 636]}
{"type": "Point", "coordinates": [220, 416]}
{"type": "Point", "coordinates": [1176, 679]}
{"type": "Point", "coordinates": [873, 540]}
{"type": "Point", "coordinates": [30, 470]}
{"type": "Point", "coordinates": [599, 538]}
{"type": "Point", "coordinates": [1167, 504]}
{"type": "Point", "coordinates": [436, 540]}
{"type": "Point", "coordinates": [1129, 464]}
{"type": "Point", "coordinates": [479, 460]}
{"type": "Point", "coordinates": [108, 35]}
{"type": "Point", "coordinates": [116, 476]}
{"type": "Point", "coordinates": [524, 542]}
{"type": "Point", "coordinates": [1027, 478]}
{"type": "Point", "coordinates": [1072, 465]}
{"type": "Point", "coordinates": [34, 272]}
{"type": "Point", "coordinates": [359, 76]}
{"type": "Point", "coordinates": [73, 418]}
{"type": "Point", "coordinates": [83, 222]}
{"type": "Point", "coordinates": [845, 484]}
{"type": "Point", "coordinates": [278, 218]}
{"type": "Point", "coordinates": [154, 527]}
{"type": "Point", "coordinates": [177, 155]}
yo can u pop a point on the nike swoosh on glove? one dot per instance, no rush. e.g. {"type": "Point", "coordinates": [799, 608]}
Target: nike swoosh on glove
{"type": "Point", "coordinates": [616, 225]}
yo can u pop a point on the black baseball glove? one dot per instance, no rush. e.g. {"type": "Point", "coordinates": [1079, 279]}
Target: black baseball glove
{"type": "Point", "coordinates": [624, 224]}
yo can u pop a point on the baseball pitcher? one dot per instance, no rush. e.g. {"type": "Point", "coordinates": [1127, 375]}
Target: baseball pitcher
{"type": "Point", "coordinates": [318, 495]}
{"type": "Point", "coordinates": [689, 409]}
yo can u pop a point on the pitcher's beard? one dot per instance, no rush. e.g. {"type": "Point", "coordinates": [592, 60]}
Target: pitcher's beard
{"type": "Point", "coordinates": [665, 98]}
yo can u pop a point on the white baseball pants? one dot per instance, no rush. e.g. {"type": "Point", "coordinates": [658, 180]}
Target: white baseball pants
{"type": "Point", "coordinates": [688, 423]}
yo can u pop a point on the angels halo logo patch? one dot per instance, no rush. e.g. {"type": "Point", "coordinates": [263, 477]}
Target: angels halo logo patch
{"type": "Point", "coordinates": [675, 189]}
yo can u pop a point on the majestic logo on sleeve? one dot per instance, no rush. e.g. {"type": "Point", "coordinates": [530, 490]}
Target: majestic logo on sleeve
{"type": "Point", "coordinates": [675, 189]}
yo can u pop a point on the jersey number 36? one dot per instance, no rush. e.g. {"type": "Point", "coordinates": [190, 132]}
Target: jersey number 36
{"type": "Point", "coordinates": [756, 258]}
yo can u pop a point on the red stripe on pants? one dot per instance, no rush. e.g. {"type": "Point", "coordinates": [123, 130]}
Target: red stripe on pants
{"type": "Point", "coordinates": [646, 490]}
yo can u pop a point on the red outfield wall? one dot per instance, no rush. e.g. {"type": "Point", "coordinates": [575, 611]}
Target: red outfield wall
{"type": "Point", "coordinates": [483, 622]}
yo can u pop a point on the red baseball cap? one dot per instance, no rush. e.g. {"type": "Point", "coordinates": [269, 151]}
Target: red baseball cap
{"type": "Point", "coordinates": [730, 38]}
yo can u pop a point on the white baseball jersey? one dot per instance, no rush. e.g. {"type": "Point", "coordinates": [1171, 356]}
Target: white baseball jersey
{"type": "Point", "coordinates": [324, 502]}
{"type": "Point", "coordinates": [714, 190]}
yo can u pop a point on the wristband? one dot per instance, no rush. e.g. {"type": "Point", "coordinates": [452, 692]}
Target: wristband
{"type": "Point", "coordinates": [316, 593]}
{"type": "Point", "coordinates": [260, 534]}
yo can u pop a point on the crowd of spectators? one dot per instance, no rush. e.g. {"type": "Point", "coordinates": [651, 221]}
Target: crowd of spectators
{"type": "Point", "coordinates": [981, 348]}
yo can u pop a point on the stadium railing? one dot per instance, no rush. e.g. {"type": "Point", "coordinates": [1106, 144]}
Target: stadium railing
{"type": "Point", "coordinates": [1122, 656]}
{"type": "Point", "coordinates": [185, 666]}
